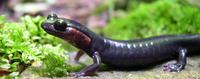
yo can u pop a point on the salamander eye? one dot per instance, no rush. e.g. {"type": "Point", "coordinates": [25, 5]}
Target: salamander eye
{"type": "Point", "coordinates": [60, 25]}
{"type": "Point", "coordinates": [52, 16]}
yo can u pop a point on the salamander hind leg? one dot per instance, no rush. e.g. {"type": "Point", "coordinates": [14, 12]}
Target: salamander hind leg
{"type": "Point", "coordinates": [180, 64]}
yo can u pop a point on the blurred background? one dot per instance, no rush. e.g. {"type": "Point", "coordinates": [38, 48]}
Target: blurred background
{"type": "Point", "coordinates": [120, 15]}
{"type": "Point", "coordinates": [117, 19]}
{"type": "Point", "coordinates": [81, 10]}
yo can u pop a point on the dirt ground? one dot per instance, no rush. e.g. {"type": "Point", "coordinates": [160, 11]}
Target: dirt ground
{"type": "Point", "coordinates": [192, 71]}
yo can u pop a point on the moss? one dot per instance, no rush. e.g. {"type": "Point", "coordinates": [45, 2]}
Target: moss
{"type": "Point", "coordinates": [24, 42]}
{"type": "Point", "coordinates": [156, 18]}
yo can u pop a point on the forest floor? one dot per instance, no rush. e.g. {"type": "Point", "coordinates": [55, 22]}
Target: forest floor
{"type": "Point", "coordinates": [192, 71]}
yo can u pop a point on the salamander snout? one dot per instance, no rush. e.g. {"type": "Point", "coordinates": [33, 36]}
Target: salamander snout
{"type": "Point", "coordinates": [45, 25]}
{"type": "Point", "coordinates": [50, 21]}
{"type": "Point", "coordinates": [54, 23]}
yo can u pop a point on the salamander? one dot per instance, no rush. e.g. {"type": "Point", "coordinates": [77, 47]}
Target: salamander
{"type": "Point", "coordinates": [122, 53]}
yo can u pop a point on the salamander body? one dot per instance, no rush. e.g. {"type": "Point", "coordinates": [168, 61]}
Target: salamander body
{"type": "Point", "coordinates": [123, 53]}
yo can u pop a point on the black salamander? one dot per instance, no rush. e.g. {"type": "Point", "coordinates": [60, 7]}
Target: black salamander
{"type": "Point", "coordinates": [122, 53]}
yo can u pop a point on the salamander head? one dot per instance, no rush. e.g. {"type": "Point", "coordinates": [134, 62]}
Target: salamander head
{"type": "Point", "coordinates": [66, 29]}
{"type": "Point", "coordinates": [56, 26]}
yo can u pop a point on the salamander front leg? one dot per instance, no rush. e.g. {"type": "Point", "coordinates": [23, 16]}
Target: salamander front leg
{"type": "Point", "coordinates": [92, 68]}
{"type": "Point", "coordinates": [78, 55]}
{"type": "Point", "coordinates": [181, 62]}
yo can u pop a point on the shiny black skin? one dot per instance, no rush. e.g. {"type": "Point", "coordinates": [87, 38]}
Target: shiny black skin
{"type": "Point", "coordinates": [147, 51]}
{"type": "Point", "coordinates": [138, 52]}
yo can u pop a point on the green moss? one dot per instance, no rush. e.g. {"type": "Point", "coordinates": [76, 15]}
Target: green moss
{"type": "Point", "coordinates": [54, 63]}
{"type": "Point", "coordinates": [156, 18]}
{"type": "Point", "coordinates": [25, 42]}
